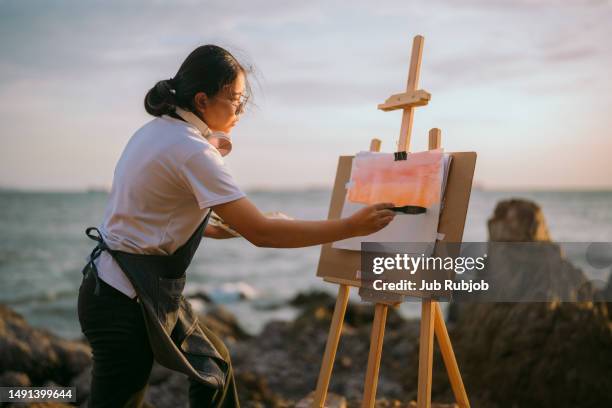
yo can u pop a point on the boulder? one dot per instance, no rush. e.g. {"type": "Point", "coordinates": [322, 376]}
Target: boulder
{"type": "Point", "coordinates": [536, 354]}
{"type": "Point", "coordinates": [14, 379]}
{"type": "Point", "coordinates": [38, 353]}
{"type": "Point", "coordinates": [545, 354]}
{"type": "Point", "coordinates": [517, 220]}
{"type": "Point", "coordinates": [224, 324]}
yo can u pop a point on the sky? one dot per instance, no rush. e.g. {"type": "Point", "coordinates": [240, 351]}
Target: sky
{"type": "Point", "coordinates": [525, 84]}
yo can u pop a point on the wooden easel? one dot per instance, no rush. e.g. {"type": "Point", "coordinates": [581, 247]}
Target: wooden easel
{"type": "Point", "coordinates": [432, 320]}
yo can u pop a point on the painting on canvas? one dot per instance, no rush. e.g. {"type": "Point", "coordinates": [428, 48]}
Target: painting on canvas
{"type": "Point", "coordinates": [416, 181]}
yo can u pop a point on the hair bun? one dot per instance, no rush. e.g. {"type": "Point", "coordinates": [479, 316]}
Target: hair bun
{"type": "Point", "coordinates": [161, 99]}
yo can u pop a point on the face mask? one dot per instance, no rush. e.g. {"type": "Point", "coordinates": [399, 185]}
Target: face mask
{"type": "Point", "coordinates": [220, 140]}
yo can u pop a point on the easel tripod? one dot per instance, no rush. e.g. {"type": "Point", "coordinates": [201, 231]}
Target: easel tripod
{"type": "Point", "coordinates": [432, 320]}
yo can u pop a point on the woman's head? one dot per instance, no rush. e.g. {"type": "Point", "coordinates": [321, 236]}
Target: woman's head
{"type": "Point", "coordinates": [210, 83]}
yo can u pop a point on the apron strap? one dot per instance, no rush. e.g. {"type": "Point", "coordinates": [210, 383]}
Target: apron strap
{"type": "Point", "coordinates": [95, 253]}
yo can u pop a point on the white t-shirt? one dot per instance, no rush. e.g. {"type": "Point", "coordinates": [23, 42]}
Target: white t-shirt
{"type": "Point", "coordinates": [165, 181]}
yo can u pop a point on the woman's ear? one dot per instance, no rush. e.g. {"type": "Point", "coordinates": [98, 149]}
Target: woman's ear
{"type": "Point", "coordinates": [200, 101]}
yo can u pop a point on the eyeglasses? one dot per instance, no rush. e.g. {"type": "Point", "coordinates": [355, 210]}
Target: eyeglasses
{"type": "Point", "coordinates": [239, 103]}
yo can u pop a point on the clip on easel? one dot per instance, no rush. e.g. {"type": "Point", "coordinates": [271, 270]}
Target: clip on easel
{"type": "Point", "coordinates": [339, 266]}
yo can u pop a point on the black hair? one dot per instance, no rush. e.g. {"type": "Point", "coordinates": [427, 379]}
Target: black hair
{"type": "Point", "coordinates": [208, 69]}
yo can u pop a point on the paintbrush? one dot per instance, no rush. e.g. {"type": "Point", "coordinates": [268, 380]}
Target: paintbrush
{"type": "Point", "coordinates": [410, 209]}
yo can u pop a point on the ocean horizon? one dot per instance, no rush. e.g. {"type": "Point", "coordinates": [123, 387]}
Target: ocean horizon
{"type": "Point", "coordinates": [44, 247]}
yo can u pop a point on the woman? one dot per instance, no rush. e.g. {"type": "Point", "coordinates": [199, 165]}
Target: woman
{"type": "Point", "coordinates": [169, 177]}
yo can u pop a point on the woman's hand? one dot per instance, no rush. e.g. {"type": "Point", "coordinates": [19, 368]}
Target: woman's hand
{"type": "Point", "coordinates": [370, 219]}
{"type": "Point", "coordinates": [213, 231]}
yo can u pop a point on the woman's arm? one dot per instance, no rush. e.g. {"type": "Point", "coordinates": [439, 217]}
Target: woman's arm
{"type": "Point", "coordinates": [242, 216]}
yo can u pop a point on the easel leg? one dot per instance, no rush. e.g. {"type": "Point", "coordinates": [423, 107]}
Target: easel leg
{"type": "Point", "coordinates": [448, 355]}
{"type": "Point", "coordinates": [331, 346]}
{"type": "Point", "coordinates": [426, 354]}
{"type": "Point", "coordinates": [376, 344]}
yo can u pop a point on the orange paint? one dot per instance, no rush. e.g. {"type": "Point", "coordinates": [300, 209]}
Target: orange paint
{"type": "Point", "coordinates": [376, 178]}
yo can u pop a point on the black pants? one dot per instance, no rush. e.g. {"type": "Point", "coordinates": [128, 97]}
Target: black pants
{"type": "Point", "coordinates": [122, 357]}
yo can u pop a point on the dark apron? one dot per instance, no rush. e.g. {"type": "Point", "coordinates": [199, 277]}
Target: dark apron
{"type": "Point", "coordinates": [177, 340]}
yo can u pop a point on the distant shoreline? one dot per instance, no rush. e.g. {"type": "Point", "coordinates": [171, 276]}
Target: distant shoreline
{"type": "Point", "coordinates": [258, 190]}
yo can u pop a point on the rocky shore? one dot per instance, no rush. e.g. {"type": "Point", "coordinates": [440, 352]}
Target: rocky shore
{"type": "Point", "coordinates": [548, 354]}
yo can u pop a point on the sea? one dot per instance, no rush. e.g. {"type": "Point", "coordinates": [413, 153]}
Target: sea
{"type": "Point", "coordinates": [43, 249]}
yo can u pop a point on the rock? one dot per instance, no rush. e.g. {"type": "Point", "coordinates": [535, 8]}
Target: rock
{"type": "Point", "coordinates": [523, 262]}
{"type": "Point", "coordinates": [331, 401]}
{"type": "Point", "coordinates": [40, 405]}
{"type": "Point", "coordinates": [517, 220]}
{"type": "Point", "coordinates": [14, 379]}
{"type": "Point", "coordinates": [312, 298]}
{"type": "Point", "coordinates": [413, 404]}
{"type": "Point", "coordinates": [318, 306]}
{"type": "Point", "coordinates": [536, 354]}
{"type": "Point", "coordinates": [37, 353]}
{"type": "Point", "coordinates": [254, 391]}
{"type": "Point", "coordinates": [546, 354]}
{"type": "Point", "coordinates": [224, 324]}
{"type": "Point", "coordinates": [337, 401]}
{"type": "Point", "coordinates": [605, 295]}
{"type": "Point", "coordinates": [532, 272]}
{"type": "Point", "coordinates": [607, 292]}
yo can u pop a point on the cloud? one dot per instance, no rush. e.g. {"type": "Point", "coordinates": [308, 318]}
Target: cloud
{"type": "Point", "coordinates": [576, 54]}
{"type": "Point", "coordinates": [530, 4]}
{"type": "Point", "coordinates": [82, 68]}
{"type": "Point", "coordinates": [59, 38]}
